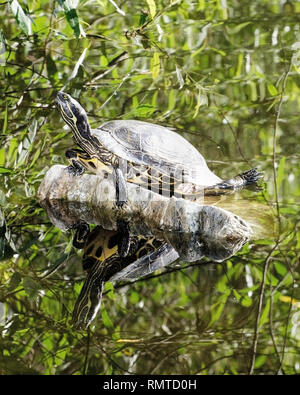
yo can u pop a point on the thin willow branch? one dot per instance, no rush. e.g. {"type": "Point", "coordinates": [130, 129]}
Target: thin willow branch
{"type": "Point", "coordinates": [234, 133]}
{"type": "Point", "coordinates": [279, 370]}
{"type": "Point", "coordinates": [286, 328]}
{"type": "Point", "coordinates": [261, 297]}
{"type": "Point", "coordinates": [85, 365]}
{"type": "Point", "coordinates": [275, 131]}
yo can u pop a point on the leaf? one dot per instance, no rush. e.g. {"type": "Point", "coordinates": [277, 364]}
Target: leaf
{"type": "Point", "coordinates": [155, 65]}
{"type": "Point", "coordinates": [30, 286]}
{"type": "Point", "coordinates": [239, 27]}
{"type": "Point", "coordinates": [69, 8]}
{"type": "Point", "coordinates": [143, 18]}
{"type": "Point", "coordinates": [2, 235]}
{"type": "Point", "coordinates": [264, 242]}
{"type": "Point", "coordinates": [202, 100]}
{"type": "Point", "coordinates": [22, 19]}
{"type": "Point", "coordinates": [218, 308]}
{"type": "Point", "coordinates": [12, 151]}
{"type": "Point", "coordinates": [272, 90]}
{"type": "Point", "coordinates": [51, 67]}
{"type": "Point", "coordinates": [259, 361]}
{"type": "Point", "coordinates": [236, 294]}
{"type": "Point", "coordinates": [275, 101]}
{"type": "Point", "coordinates": [280, 268]}
{"type": "Point", "coordinates": [172, 99]}
{"type": "Point", "coordinates": [14, 281]}
{"type": "Point", "coordinates": [105, 318]}
{"type": "Point", "coordinates": [201, 5]}
{"type": "Point", "coordinates": [253, 91]}
{"type": "Point", "coordinates": [219, 51]}
{"type": "Point", "coordinates": [179, 77]}
{"type": "Point", "coordinates": [265, 314]}
{"type": "Point", "coordinates": [109, 289]}
{"type": "Point", "coordinates": [4, 170]}
{"type": "Point", "coordinates": [239, 65]}
{"type": "Point", "coordinates": [117, 8]}
{"type": "Point", "coordinates": [144, 110]}
{"type": "Point", "coordinates": [35, 157]}
{"type": "Point", "coordinates": [5, 119]}
{"type": "Point", "coordinates": [280, 171]}
{"type": "Point", "coordinates": [77, 65]}
{"type": "Point", "coordinates": [246, 301]}
{"type": "Point", "coordinates": [134, 297]}
{"type": "Point", "coordinates": [2, 49]}
{"type": "Point", "coordinates": [152, 8]}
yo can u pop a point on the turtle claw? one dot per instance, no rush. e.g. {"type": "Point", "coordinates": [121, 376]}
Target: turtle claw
{"type": "Point", "coordinates": [251, 176]}
{"type": "Point", "coordinates": [75, 169]}
{"type": "Point", "coordinates": [121, 203]}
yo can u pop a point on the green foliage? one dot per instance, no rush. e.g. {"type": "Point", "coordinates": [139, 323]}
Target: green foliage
{"type": "Point", "coordinates": [226, 75]}
{"type": "Point", "coordinates": [22, 19]}
{"type": "Point", "coordinates": [69, 8]}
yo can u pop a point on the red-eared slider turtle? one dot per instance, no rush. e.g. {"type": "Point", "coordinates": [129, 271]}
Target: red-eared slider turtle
{"type": "Point", "coordinates": [144, 153]}
{"type": "Point", "coordinates": [102, 261]}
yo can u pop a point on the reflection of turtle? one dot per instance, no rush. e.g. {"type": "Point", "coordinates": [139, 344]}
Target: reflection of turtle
{"type": "Point", "coordinates": [143, 153]}
{"type": "Point", "coordinates": [102, 261]}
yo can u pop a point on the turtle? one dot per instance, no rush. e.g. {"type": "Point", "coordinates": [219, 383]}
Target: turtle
{"type": "Point", "coordinates": [102, 262]}
{"type": "Point", "coordinates": [144, 153]}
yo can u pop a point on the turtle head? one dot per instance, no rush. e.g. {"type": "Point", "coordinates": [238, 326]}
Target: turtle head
{"type": "Point", "coordinates": [75, 116]}
{"type": "Point", "coordinates": [89, 299]}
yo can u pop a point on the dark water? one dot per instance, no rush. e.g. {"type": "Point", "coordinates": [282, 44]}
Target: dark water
{"type": "Point", "coordinates": [227, 78]}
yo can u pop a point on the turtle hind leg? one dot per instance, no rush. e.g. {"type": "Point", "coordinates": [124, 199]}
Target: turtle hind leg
{"type": "Point", "coordinates": [242, 180]}
{"type": "Point", "coordinates": [124, 237]}
{"type": "Point", "coordinates": [246, 178]}
{"type": "Point", "coordinates": [251, 176]}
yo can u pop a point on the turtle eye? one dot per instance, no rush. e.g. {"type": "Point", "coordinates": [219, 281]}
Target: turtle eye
{"type": "Point", "coordinates": [63, 96]}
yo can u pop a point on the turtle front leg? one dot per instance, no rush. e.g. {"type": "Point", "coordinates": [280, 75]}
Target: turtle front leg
{"type": "Point", "coordinates": [121, 188]}
{"type": "Point", "coordinates": [75, 168]}
{"type": "Point", "coordinates": [82, 230]}
{"type": "Point", "coordinates": [240, 181]}
{"type": "Point", "coordinates": [125, 239]}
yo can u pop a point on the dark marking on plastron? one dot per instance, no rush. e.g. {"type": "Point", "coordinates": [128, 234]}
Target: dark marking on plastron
{"type": "Point", "coordinates": [89, 249]}
{"type": "Point", "coordinates": [99, 252]}
{"type": "Point", "coordinates": [113, 241]}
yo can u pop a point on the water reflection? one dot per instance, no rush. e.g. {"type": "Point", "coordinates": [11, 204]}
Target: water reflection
{"type": "Point", "coordinates": [103, 261]}
{"type": "Point", "coordinates": [113, 252]}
